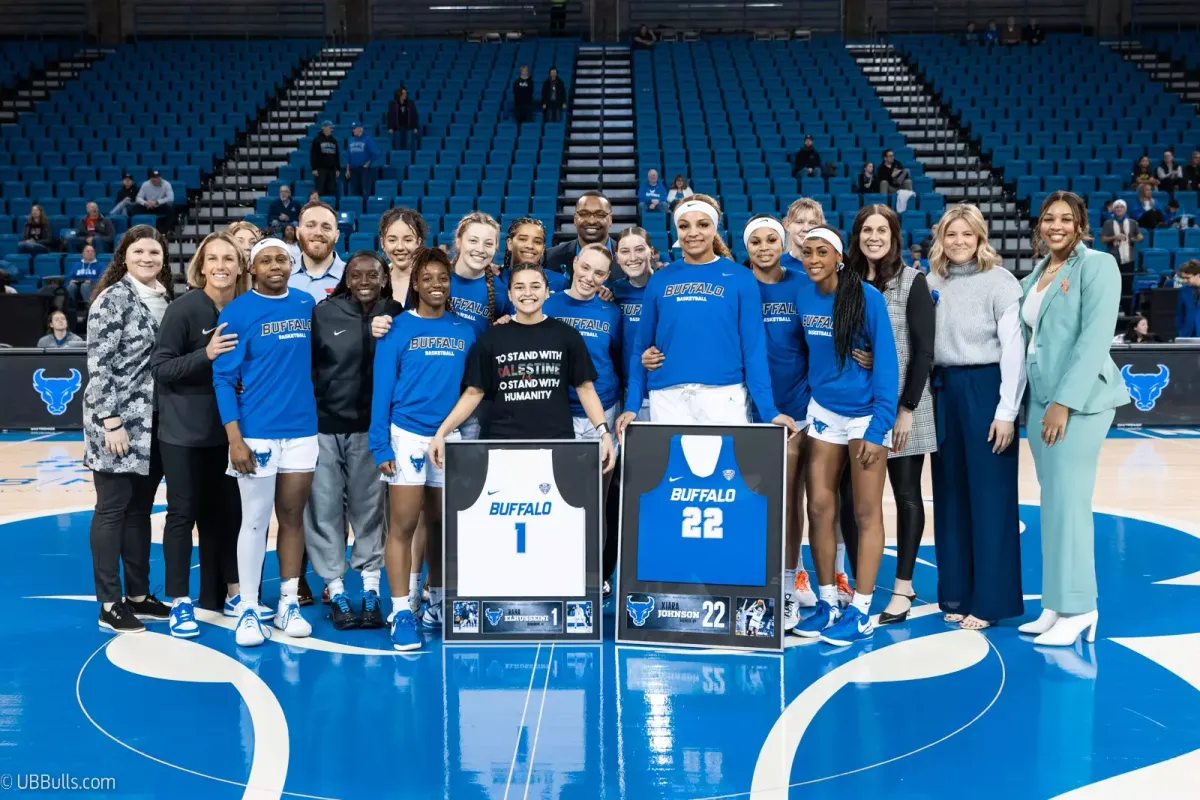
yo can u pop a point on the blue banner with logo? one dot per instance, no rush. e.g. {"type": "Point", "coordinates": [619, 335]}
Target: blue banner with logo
{"type": "Point", "coordinates": [1163, 383]}
{"type": "Point", "coordinates": [43, 389]}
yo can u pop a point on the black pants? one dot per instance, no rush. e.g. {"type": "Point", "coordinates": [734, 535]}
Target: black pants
{"type": "Point", "coordinates": [558, 17]}
{"type": "Point", "coordinates": [905, 475]}
{"type": "Point", "coordinates": [523, 112]}
{"type": "Point", "coordinates": [611, 522]}
{"type": "Point", "coordinates": [553, 113]}
{"type": "Point", "coordinates": [120, 534]}
{"type": "Point", "coordinates": [200, 495]}
{"type": "Point", "coordinates": [164, 214]}
{"type": "Point", "coordinates": [327, 182]}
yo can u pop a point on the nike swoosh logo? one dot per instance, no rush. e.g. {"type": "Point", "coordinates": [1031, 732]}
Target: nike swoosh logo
{"type": "Point", "coordinates": [492, 493]}
{"type": "Point", "coordinates": [727, 274]}
{"type": "Point", "coordinates": [207, 331]}
{"type": "Point", "coordinates": [672, 480]}
{"type": "Point", "coordinates": [863, 625]}
{"type": "Point", "coordinates": [338, 333]}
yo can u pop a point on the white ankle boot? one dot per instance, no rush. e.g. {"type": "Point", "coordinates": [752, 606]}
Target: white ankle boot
{"type": "Point", "coordinates": [1040, 625]}
{"type": "Point", "coordinates": [1067, 629]}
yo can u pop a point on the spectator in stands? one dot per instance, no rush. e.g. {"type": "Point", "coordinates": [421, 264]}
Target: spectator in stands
{"type": "Point", "coordinates": [1143, 173]}
{"type": "Point", "coordinates": [1106, 213]}
{"type": "Point", "coordinates": [246, 234]}
{"type": "Point", "coordinates": [653, 195]}
{"type": "Point", "coordinates": [554, 96]}
{"type": "Point", "coordinates": [320, 268]}
{"type": "Point", "coordinates": [403, 122]}
{"type": "Point", "coordinates": [83, 274]}
{"type": "Point", "coordinates": [558, 17]}
{"type": "Point", "coordinates": [593, 219]}
{"type": "Point", "coordinates": [523, 96]}
{"type": "Point", "coordinates": [1169, 174]}
{"type": "Point", "coordinates": [807, 162]}
{"type": "Point", "coordinates": [865, 182]}
{"type": "Point", "coordinates": [94, 230]}
{"type": "Point", "coordinates": [1187, 310]}
{"type": "Point", "coordinates": [360, 152]}
{"type": "Point", "coordinates": [1149, 216]}
{"type": "Point", "coordinates": [1191, 172]}
{"type": "Point", "coordinates": [1011, 34]}
{"type": "Point", "coordinates": [916, 260]}
{"type": "Point", "coordinates": [289, 237]}
{"type": "Point", "coordinates": [1171, 217]}
{"type": "Point", "coordinates": [324, 159]}
{"type": "Point", "coordinates": [991, 36]}
{"type": "Point", "coordinates": [892, 174]}
{"type": "Point", "coordinates": [126, 196]}
{"type": "Point", "coordinates": [1034, 33]}
{"type": "Point", "coordinates": [314, 197]}
{"type": "Point", "coordinates": [1121, 234]}
{"type": "Point", "coordinates": [678, 191]}
{"type": "Point", "coordinates": [158, 198]}
{"type": "Point", "coordinates": [59, 333]}
{"type": "Point", "coordinates": [644, 39]}
{"type": "Point", "coordinates": [1138, 332]}
{"type": "Point", "coordinates": [38, 237]}
{"type": "Point", "coordinates": [283, 212]}
{"type": "Point", "coordinates": [970, 36]}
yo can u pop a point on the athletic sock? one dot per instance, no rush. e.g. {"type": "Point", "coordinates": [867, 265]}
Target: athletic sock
{"type": "Point", "coordinates": [336, 586]}
{"type": "Point", "coordinates": [370, 579]}
{"type": "Point", "coordinates": [789, 582]}
{"type": "Point", "coordinates": [828, 594]}
{"type": "Point", "coordinates": [839, 565]}
{"type": "Point", "coordinates": [108, 606]}
{"type": "Point", "coordinates": [862, 602]}
{"type": "Point", "coordinates": [414, 584]}
{"type": "Point", "coordinates": [137, 599]}
{"type": "Point", "coordinates": [399, 604]}
{"type": "Point", "coordinates": [289, 592]}
{"type": "Point", "coordinates": [800, 561]}
{"type": "Point", "coordinates": [181, 600]}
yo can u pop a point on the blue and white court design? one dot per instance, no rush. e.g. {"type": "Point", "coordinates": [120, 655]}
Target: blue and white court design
{"type": "Point", "coordinates": [924, 710]}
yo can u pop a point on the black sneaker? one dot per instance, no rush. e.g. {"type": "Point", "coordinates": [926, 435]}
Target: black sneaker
{"type": "Point", "coordinates": [340, 612]}
{"type": "Point", "coordinates": [150, 608]}
{"type": "Point", "coordinates": [120, 619]}
{"type": "Point", "coordinates": [372, 613]}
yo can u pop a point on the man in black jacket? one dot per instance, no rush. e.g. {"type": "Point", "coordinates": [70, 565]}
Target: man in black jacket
{"type": "Point", "coordinates": [284, 211]}
{"type": "Point", "coordinates": [807, 163]}
{"type": "Point", "coordinates": [523, 96]}
{"type": "Point", "coordinates": [325, 159]}
{"type": "Point", "coordinates": [554, 96]}
{"type": "Point", "coordinates": [593, 219]}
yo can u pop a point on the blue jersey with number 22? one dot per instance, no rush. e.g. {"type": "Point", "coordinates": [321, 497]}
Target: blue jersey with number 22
{"type": "Point", "coordinates": [702, 529]}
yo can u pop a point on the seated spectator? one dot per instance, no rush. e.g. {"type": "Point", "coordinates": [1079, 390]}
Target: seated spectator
{"type": "Point", "coordinates": [93, 230]}
{"type": "Point", "coordinates": [892, 175]}
{"type": "Point", "coordinates": [293, 243]}
{"type": "Point", "coordinates": [1034, 33]}
{"type": "Point", "coordinates": [284, 211]}
{"type": "Point", "coordinates": [1187, 310]}
{"type": "Point", "coordinates": [59, 333]}
{"type": "Point", "coordinates": [653, 195]}
{"type": "Point", "coordinates": [1169, 174]}
{"type": "Point", "coordinates": [158, 198]}
{"type": "Point", "coordinates": [1148, 214]}
{"type": "Point", "coordinates": [970, 36]}
{"type": "Point", "coordinates": [866, 179]}
{"type": "Point", "coordinates": [807, 163]}
{"type": "Point", "coordinates": [126, 196]}
{"type": "Point", "coordinates": [1106, 213]}
{"type": "Point", "coordinates": [82, 274]}
{"type": "Point", "coordinates": [991, 35]}
{"type": "Point", "coordinates": [360, 153]}
{"type": "Point", "coordinates": [1143, 173]}
{"type": "Point", "coordinates": [916, 260]}
{"type": "Point", "coordinates": [1173, 217]}
{"type": "Point", "coordinates": [38, 236]}
{"type": "Point", "coordinates": [644, 38]}
{"type": "Point", "coordinates": [314, 196]}
{"type": "Point", "coordinates": [1011, 33]}
{"type": "Point", "coordinates": [1191, 172]}
{"type": "Point", "coordinates": [1121, 234]}
{"type": "Point", "coordinates": [1138, 332]}
{"type": "Point", "coordinates": [554, 96]}
{"type": "Point", "coordinates": [679, 190]}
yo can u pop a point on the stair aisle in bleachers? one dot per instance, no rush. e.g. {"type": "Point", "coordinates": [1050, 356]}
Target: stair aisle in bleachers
{"type": "Point", "coordinates": [1168, 59]}
{"type": "Point", "coordinates": [30, 71]}
{"type": "Point", "coordinates": [600, 149]}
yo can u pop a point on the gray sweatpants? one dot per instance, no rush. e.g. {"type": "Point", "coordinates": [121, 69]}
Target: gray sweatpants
{"type": "Point", "coordinates": [346, 487]}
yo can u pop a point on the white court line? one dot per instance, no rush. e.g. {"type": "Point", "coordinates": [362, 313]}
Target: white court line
{"type": "Point", "coordinates": [6, 445]}
{"type": "Point", "coordinates": [538, 730]}
{"type": "Point", "coordinates": [517, 745]}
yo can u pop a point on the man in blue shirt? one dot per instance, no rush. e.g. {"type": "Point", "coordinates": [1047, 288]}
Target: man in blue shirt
{"type": "Point", "coordinates": [83, 273]}
{"type": "Point", "coordinates": [360, 152]}
{"type": "Point", "coordinates": [1187, 313]}
{"type": "Point", "coordinates": [653, 195]}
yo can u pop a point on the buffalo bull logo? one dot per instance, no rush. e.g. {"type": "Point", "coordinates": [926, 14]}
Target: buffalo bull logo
{"type": "Point", "coordinates": [1146, 387]}
{"type": "Point", "coordinates": [57, 393]}
{"type": "Point", "coordinates": [639, 610]}
{"type": "Point", "coordinates": [494, 615]}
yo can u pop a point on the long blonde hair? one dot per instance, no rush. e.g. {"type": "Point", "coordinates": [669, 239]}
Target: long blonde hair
{"type": "Point", "coordinates": [986, 256]}
{"type": "Point", "coordinates": [481, 218]}
{"type": "Point", "coordinates": [195, 267]}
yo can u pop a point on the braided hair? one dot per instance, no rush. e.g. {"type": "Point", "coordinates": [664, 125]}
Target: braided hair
{"type": "Point", "coordinates": [423, 259]}
{"type": "Point", "coordinates": [480, 218]}
{"type": "Point", "coordinates": [849, 311]}
{"type": "Point", "coordinates": [515, 226]}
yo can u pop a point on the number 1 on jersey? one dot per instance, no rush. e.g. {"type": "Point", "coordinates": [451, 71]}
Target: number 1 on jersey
{"type": "Point", "coordinates": [520, 537]}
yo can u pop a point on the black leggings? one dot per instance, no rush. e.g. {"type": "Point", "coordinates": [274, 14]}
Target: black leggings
{"type": "Point", "coordinates": [905, 474]}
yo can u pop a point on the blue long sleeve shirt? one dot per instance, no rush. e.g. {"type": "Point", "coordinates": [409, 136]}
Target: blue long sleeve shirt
{"type": "Point", "coordinates": [786, 357]}
{"type": "Point", "coordinates": [629, 299]}
{"type": "Point", "coordinates": [418, 371]}
{"type": "Point", "coordinates": [707, 321]}
{"type": "Point", "coordinates": [273, 364]}
{"type": "Point", "coordinates": [656, 192]}
{"type": "Point", "coordinates": [469, 299]}
{"type": "Point", "coordinates": [852, 391]}
{"type": "Point", "coordinates": [359, 150]}
{"type": "Point", "coordinates": [85, 271]}
{"type": "Point", "coordinates": [1187, 312]}
{"type": "Point", "coordinates": [599, 323]}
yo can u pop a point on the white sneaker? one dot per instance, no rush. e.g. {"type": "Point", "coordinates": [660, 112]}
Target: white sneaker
{"type": "Point", "coordinates": [250, 631]}
{"type": "Point", "coordinates": [431, 617]}
{"type": "Point", "coordinates": [791, 612]}
{"type": "Point", "coordinates": [288, 620]}
{"type": "Point", "coordinates": [231, 608]}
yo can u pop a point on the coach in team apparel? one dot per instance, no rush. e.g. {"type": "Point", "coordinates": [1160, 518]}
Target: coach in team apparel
{"type": "Point", "coordinates": [593, 219]}
{"type": "Point", "coordinates": [320, 268]}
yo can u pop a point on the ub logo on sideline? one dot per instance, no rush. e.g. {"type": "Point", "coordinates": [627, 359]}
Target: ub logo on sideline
{"type": "Point", "coordinates": [1146, 387]}
{"type": "Point", "coordinates": [640, 610]}
{"type": "Point", "coordinates": [57, 393]}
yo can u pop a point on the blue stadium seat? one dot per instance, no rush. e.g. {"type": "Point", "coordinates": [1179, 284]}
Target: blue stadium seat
{"type": "Point", "coordinates": [1155, 260]}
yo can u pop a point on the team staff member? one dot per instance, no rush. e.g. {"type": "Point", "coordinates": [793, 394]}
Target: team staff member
{"type": "Point", "coordinates": [593, 221]}
{"type": "Point", "coordinates": [419, 367]}
{"type": "Point", "coordinates": [271, 423]}
{"type": "Point", "coordinates": [120, 445]}
{"type": "Point", "coordinates": [875, 256]}
{"type": "Point", "coordinates": [703, 314]}
{"type": "Point", "coordinates": [766, 241]}
{"type": "Point", "coordinates": [851, 413]}
{"type": "Point", "coordinates": [402, 233]}
{"type": "Point", "coordinates": [320, 268]}
{"type": "Point", "coordinates": [533, 344]}
{"type": "Point", "coordinates": [344, 487]}
{"type": "Point", "coordinates": [194, 448]}
{"type": "Point", "coordinates": [978, 378]}
{"type": "Point", "coordinates": [1068, 314]}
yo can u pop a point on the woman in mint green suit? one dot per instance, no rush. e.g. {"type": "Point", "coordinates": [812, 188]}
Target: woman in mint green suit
{"type": "Point", "coordinates": [1068, 315]}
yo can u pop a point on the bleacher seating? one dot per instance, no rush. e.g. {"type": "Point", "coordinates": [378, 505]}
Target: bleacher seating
{"type": "Point", "coordinates": [20, 59]}
{"type": "Point", "coordinates": [471, 155]}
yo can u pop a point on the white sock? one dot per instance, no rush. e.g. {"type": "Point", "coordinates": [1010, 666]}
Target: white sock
{"type": "Point", "coordinates": [862, 602]}
{"type": "Point", "coordinates": [181, 600]}
{"type": "Point", "coordinates": [289, 592]}
{"type": "Point", "coordinates": [370, 579]}
{"type": "Point", "coordinates": [414, 584]}
{"type": "Point", "coordinates": [789, 582]}
{"type": "Point", "coordinates": [108, 606]}
{"type": "Point", "coordinates": [399, 604]}
{"type": "Point", "coordinates": [828, 594]}
{"type": "Point", "coordinates": [336, 586]}
{"type": "Point", "coordinates": [800, 561]}
{"type": "Point", "coordinates": [839, 564]}
{"type": "Point", "coordinates": [435, 595]}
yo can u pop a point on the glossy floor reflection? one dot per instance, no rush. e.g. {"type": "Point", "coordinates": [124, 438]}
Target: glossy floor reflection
{"type": "Point", "coordinates": [923, 711]}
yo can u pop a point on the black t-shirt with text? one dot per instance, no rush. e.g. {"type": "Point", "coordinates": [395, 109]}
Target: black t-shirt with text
{"type": "Point", "coordinates": [525, 371]}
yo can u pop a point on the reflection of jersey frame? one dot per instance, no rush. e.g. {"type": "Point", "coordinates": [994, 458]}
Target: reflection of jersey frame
{"type": "Point", "coordinates": [702, 515]}
{"type": "Point", "coordinates": [521, 532]}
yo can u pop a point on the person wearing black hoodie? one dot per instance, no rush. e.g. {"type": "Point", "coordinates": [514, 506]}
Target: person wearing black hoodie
{"type": "Point", "coordinates": [325, 159]}
{"type": "Point", "coordinates": [403, 122]}
{"type": "Point", "coordinates": [346, 485]}
{"type": "Point", "coordinates": [523, 96]}
{"type": "Point", "coordinates": [554, 96]}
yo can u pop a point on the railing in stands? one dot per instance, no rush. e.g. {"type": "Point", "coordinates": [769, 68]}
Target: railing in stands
{"type": "Point", "coordinates": [721, 16]}
{"type": "Point", "coordinates": [1166, 15]}
{"type": "Point", "coordinates": [952, 16]}
{"type": "Point", "coordinates": [57, 18]}
{"type": "Point", "coordinates": [450, 17]}
{"type": "Point", "coordinates": [227, 18]}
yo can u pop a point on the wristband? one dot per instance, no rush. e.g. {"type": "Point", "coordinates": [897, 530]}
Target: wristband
{"type": "Point", "coordinates": [603, 428]}
{"type": "Point", "coordinates": [114, 430]}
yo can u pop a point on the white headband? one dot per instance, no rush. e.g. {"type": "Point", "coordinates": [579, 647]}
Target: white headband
{"type": "Point", "coordinates": [696, 205]}
{"type": "Point", "coordinates": [265, 243]}
{"type": "Point", "coordinates": [764, 222]}
{"type": "Point", "coordinates": [827, 235]}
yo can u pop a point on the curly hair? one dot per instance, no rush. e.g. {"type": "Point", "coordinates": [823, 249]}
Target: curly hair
{"type": "Point", "coordinates": [1083, 232]}
{"type": "Point", "coordinates": [117, 268]}
{"type": "Point", "coordinates": [409, 217]}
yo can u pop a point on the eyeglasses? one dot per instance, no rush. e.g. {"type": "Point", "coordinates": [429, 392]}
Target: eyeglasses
{"type": "Point", "coordinates": [597, 215]}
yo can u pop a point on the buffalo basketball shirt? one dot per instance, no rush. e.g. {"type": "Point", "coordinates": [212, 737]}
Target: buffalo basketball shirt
{"type": "Point", "coordinates": [520, 538]}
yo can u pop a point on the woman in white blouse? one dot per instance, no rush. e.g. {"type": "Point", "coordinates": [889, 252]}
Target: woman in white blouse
{"type": "Point", "coordinates": [679, 191]}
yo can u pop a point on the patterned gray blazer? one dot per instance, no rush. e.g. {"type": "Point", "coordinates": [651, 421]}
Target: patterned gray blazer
{"type": "Point", "coordinates": [121, 334]}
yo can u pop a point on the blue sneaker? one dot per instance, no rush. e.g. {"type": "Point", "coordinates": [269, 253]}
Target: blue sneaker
{"type": "Point", "coordinates": [182, 622]}
{"type": "Point", "coordinates": [265, 613]}
{"type": "Point", "coordinates": [822, 617]}
{"type": "Point", "coordinates": [404, 631]}
{"type": "Point", "coordinates": [855, 626]}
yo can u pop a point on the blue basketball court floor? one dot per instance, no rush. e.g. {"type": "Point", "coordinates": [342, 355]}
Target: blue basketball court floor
{"type": "Point", "coordinates": [923, 711]}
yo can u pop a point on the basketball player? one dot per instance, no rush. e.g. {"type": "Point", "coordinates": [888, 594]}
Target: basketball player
{"type": "Point", "coordinates": [757, 611]}
{"type": "Point", "coordinates": [265, 397]}
{"type": "Point", "coordinates": [402, 232]}
{"type": "Point", "coordinates": [527, 245]}
{"type": "Point", "coordinates": [636, 259]}
{"type": "Point", "coordinates": [419, 366]}
{"type": "Point", "coordinates": [851, 412]}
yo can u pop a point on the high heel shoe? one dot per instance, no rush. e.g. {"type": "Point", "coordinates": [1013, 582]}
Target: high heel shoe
{"type": "Point", "coordinates": [1067, 629]}
{"type": "Point", "coordinates": [1040, 625]}
{"type": "Point", "coordinates": [889, 619]}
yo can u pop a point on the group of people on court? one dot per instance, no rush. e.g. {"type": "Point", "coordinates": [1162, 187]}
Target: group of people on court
{"type": "Point", "coordinates": [304, 387]}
